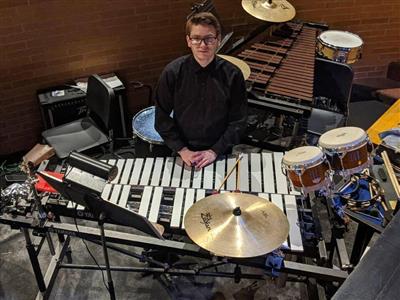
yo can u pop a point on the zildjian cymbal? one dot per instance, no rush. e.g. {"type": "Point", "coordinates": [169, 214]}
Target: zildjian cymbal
{"type": "Point", "coordinates": [236, 225]}
{"type": "Point", "coordinates": [241, 64]}
{"type": "Point", "coordinates": [270, 10]}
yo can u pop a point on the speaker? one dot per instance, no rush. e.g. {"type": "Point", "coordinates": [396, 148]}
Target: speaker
{"type": "Point", "coordinates": [60, 105]}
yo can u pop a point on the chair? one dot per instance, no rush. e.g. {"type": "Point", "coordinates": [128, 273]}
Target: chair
{"type": "Point", "coordinates": [333, 81]}
{"type": "Point", "coordinates": [91, 131]}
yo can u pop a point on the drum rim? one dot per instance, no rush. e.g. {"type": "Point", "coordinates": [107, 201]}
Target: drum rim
{"type": "Point", "coordinates": [319, 39]}
{"type": "Point", "coordinates": [140, 135]}
{"type": "Point", "coordinates": [310, 163]}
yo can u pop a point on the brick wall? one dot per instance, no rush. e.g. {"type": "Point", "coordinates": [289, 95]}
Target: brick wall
{"type": "Point", "coordinates": [45, 43]}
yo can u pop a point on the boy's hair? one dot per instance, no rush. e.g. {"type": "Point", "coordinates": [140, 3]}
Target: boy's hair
{"type": "Point", "coordinates": [203, 18]}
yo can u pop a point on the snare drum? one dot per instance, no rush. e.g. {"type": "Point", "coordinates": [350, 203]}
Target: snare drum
{"type": "Point", "coordinates": [340, 46]}
{"type": "Point", "coordinates": [150, 142]}
{"type": "Point", "coordinates": [306, 168]}
{"type": "Point", "coordinates": [346, 149]}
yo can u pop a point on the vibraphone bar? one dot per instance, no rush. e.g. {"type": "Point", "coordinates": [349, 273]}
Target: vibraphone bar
{"type": "Point", "coordinates": [258, 173]}
{"type": "Point", "coordinates": [168, 206]}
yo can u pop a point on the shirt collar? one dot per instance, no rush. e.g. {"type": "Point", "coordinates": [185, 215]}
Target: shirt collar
{"type": "Point", "coordinates": [198, 68]}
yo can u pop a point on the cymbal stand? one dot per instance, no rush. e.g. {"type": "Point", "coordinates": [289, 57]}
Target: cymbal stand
{"type": "Point", "coordinates": [27, 168]}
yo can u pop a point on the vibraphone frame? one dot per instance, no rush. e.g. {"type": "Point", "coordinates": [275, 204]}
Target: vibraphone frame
{"type": "Point", "coordinates": [149, 181]}
{"type": "Point", "coordinates": [65, 231]}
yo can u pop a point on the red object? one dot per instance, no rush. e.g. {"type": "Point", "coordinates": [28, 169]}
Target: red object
{"type": "Point", "coordinates": [43, 186]}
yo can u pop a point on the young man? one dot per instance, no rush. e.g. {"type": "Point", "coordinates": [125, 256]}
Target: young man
{"type": "Point", "coordinates": [206, 96]}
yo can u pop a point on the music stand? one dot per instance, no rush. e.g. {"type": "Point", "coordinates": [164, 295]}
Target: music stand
{"type": "Point", "coordinates": [103, 211]}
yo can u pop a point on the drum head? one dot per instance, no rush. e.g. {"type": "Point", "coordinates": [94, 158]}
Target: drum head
{"type": "Point", "coordinates": [301, 156]}
{"type": "Point", "coordinates": [143, 126]}
{"type": "Point", "coordinates": [343, 137]}
{"type": "Point", "coordinates": [342, 39]}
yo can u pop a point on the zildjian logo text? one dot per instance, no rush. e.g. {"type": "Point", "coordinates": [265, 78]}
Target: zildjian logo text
{"type": "Point", "coordinates": [206, 218]}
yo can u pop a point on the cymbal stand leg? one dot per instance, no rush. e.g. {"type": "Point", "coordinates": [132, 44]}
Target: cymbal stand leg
{"type": "Point", "coordinates": [237, 274]}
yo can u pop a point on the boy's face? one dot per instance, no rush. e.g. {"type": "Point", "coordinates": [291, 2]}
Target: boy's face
{"type": "Point", "coordinates": [205, 51]}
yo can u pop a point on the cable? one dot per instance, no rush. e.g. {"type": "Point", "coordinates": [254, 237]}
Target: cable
{"type": "Point", "coordinates": [91, 255]}
{"type": "Point", "coordinates": [10, 168]}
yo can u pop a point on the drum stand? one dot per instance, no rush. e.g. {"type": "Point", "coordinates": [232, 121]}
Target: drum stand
{"type": "Point", "coordinates": [342, 215]}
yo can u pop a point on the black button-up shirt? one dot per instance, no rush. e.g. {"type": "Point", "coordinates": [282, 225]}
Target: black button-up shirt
{"type": "Point", "coordinates": [208, 105]}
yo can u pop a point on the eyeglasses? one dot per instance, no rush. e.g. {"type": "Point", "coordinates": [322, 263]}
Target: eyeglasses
{"type": "Point", "coordinates": [208, 40]}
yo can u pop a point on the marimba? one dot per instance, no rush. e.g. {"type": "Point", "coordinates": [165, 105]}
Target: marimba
{"type": "Point", "coordinates": [283, 65]}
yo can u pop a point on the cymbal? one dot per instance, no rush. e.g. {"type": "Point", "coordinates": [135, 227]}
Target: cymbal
{"type": "Point", "coordinates": [159, 228]}
{"type": "Point", "coordinates": [236, 225]}
{"type": "Point", "coordinates": [271, 11]}
{"type": "Point", "coordinates": [241, 64]}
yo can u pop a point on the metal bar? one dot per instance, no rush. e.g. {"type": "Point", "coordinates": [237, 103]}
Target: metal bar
{"type": "Point", "coordinates": [34, 261]}
{"type": "Point", "coordinates": [50, 244]}
{"type": "Point", "coordinates": [131, 253]}
{"type": "Point", "coordinates": [342, 253]}
{"type": "Point", "coordinates": [54, 267]}
{"type": "Point", "coordinates": [314, 271]}
{"type": "Point", "coordinates": [172, 271]}
{"type": "Point", "coordinates": [363, 236]}
{"type": "Point", "coordinates": [40, 245]}
{"type": "Point", "coordinates": [122, 115]}
{"type": "Point", "coordinates": [276, 107]}
{"type": "Point", "coordinates": [391, 173]}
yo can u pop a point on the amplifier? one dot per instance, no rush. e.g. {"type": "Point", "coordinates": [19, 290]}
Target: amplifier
{"type": "Point", "coordinates": [60, 105]}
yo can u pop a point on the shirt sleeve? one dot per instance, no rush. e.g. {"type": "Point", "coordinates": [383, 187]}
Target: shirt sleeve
{"type": "Point", "coordinates": [237, 116]}
{"type": "Point", "coordinates": [164, 123]}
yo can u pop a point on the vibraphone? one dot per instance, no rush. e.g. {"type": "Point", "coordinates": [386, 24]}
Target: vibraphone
{"type": "Point", "coordinates": [284, 64]}
{"type": "Point", "coordinates": [258, 172]}
{"type": "Point", "coordinates": [162, 189]}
